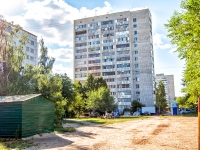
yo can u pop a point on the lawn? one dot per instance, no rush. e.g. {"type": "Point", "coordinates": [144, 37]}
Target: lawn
{"type": "Point", "coordinates": [109, 121]}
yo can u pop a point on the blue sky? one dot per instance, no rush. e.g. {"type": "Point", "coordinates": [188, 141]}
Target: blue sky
{"type": "Point", "coordinates": [53, 20]}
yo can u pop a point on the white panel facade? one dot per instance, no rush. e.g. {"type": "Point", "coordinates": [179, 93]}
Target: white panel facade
{"type": "Point", "coordinates": [119, 48]}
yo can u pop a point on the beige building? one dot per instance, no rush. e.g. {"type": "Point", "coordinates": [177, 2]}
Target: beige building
{"type": "Point", "coordinates": [168, 81]}
{"type": "Point", "coordinates": [119, 48]}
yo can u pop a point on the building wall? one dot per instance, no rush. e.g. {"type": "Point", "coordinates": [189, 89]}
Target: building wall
{"type": "Point", "coordinates": [137, 59]}
{"type": "Point", "coordinates": [168, 81]}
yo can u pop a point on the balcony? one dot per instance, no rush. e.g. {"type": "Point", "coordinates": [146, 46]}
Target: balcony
{"type": "Point", "coordinates": [93, 71]}
{"type": "Point", "coordinates": [123, 55]}
{"type": "Point", "coordinates": [122, 29]}
{"type": "Point", "coordinates": [109, 76]}
{"type": "Point", "coordinates": [122, 22]}
{"type": "Point", "coordinates": [80, 29]}
{"type": "Point", "coordinates": [123, 42]}
{"type": "Point", "coordinates": [95, 45]}
{"type": "Point", "coordinates": [123, 96]}
{"type": "Point", "coordinates": [124, 89]}
{"type": "Point", "coordinates": [123, 62]}
{"type": "Point", "coordinates": [124, 103]}
{"type": "Point", "coordinates": [91, 58]}
{"type": "Point", "coordinates": [123, 82]}
{"type": "Point", "coordinates": [80, 41]}
{"type": "Point", "coordinates": [124, 68]}
{"type": "Point", "coordinates": [123, 75]}
{"type": "Point", "coordinates": [108, 63]}
{"type": "Point", "coordinates": [108, 70]}
{"type": "Point", "coordinates": [124, 48]}
{"type": "Point", "coordinates": [94, 64]}
{"type": "Point", "coordinates": [80, 35]}
{"type": "Point", "coordinates": [81, 47]}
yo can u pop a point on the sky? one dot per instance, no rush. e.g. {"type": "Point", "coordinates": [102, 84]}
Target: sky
{"type": "Point", "coordinates": [52, 20]}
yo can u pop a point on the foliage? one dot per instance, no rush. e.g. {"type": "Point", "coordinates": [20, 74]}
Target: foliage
{"type": "Point", "coordinates": [135, 105]}
{"type": "Point", "coordinates": [126, 109]}
{"type": "Point", "coordinates": [184, 31]}
{"type": "Point", "coordinates": [44, 59]}
{"type": "Point", "coordinates": [100, 100]}
{"type": "Point", "coordinates": [160, 96]}
{"type": "Point", "coordinates": [78, 105]}
{"type": "Point", "coordinates": [15, 78]}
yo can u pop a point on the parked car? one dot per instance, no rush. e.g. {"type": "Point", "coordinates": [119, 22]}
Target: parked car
{"type": "Point", "coordinates": [186, 110]}
{"type": "Point", "coordinates": [127, 113]}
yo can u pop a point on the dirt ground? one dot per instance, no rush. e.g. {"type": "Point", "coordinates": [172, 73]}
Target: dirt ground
{"type": "Point", "coordinates": [171, 133]}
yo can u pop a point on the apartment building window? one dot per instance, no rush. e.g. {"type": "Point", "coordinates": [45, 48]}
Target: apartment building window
{"type": "Point", "coordinates": [108, 35]}
{"type": "Point", "coordinates": [110, 80]}
{"type": "Point", "coordinates": [135, 26]}
{"type": "Point", "coordinates": [80, 32]}
{"type": "Point", "coordinates": [134, 32]}
{"type": "Point", "coordinates": [107, 47]}
{"type": "Point", "coordinates": [123, 86]}
{"type": "Point", "coordinates": [124, 79]}
{"type": "Point", "coordinates": [81, 69]}
{"type": "Point", "coordinates": [136, 58]}
{"type": "Point", "coordinates": [94, 68]}
{"type": "Point", "coordinates": [135, 45]}
{"type": "Point", "coordinates": [124, 100]}
{"type": "Point", "coordinates": [93, 49]}
{"type": "Point", "coordinates": [32, 58]}
{"type": "Point", "coordinates": [135, 39]}
{"type": "Point", "coordinates": [94, 43]}
{"type": "Point", "coordinates": [81, 62]}
{"type": "Point", "coordinates": [137, 86]}
{"type": "Point", "coordinates": [123, 39]}
{"type": "Point", "coordinates": [123, 72]}
{"type": "Point", "coordinates": [122, 20]}
{"type": "Point", "coordinates": [27, 49]}
{"type": "Point", "coordinates": [108, 54]}
{"type": "Point", "coordinates": [108, 41]}
{"type": "Point", "coordinates": [80, 44]}
{"type": "Point", "coordinates": [107, 22]}
{"type": "Point", "coordinates": [80, 38]}
{"type": "Point", "coordinates": [93, 55]}
{"type": "Point", "coordinates": [108, 60]}
{"type": "Point", "coordinates": [122, 46]}
{"type": "Point", "coordinates": [137, 92]}
{"type": "Point", "coordinates": [136, 65]}
{"type": "Point", "coordinates": [124, 26]}
{"type": "Point", "coordinates": [32, 50]}
{"type": "Point", "coordinates": [137, 79]}
{"type": "Point", "coordinates": [109, 67]}
{"type": "Point", "coordinates": [81, 56]}
{"type": "Point", "coordinates": [81, 51]}
{"type": "Point", "coordinates": [108, 73]}
{"type": "Point", "coordinates": [135, 52]}
{"type": "Point", "coordinates": [123, 65]}
{"type": "Point", "coordinates": [93, 37]}
{"type": "Point", "coordinates": [111, 86]}
{"type": "Point", "coordinates": [93, 30]}
{"type": "Point", "coordinates": [107, 28]}
{"type": "Point", "coordinates": [123, 58]}
{"type": "Point", "coordinates": [134, 19]}
{"type": "Point", "coordinates": [80, 26]}
{"type": "Point", "coordinates": [137, 72]}
{"type": "Point", "coordinates": [80, 75]}
{"type": "Point", "coordinates": [32, 42]}
{"type": "Point", "coordinates": [93, 61]}
{"type": "Point", "coordinates": [96, 24]}
{"type": "Point", "coordinates": [122, 52]}
{"type": "Point", "coordinates": [124, 93]}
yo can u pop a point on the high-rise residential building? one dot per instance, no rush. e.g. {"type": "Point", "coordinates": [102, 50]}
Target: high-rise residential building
{"type": "Point", "coordinates": [168, 81]}
{"type": "Point", "coordinates": [31, 47]}
{"type": "Point", "coordinates": [119, 48]}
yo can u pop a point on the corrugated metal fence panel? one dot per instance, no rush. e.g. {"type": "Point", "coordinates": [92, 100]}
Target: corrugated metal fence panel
{"type": "Point", "coordinates": [37, 116]}
{"type": "Point", "coordinates": [10, 119]}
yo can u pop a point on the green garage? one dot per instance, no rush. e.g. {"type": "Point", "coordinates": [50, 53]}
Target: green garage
{"type": "Point", "coordinates": [25, 115]}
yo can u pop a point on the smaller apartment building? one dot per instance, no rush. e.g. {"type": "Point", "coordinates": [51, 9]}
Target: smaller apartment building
{"type": "Point", "coordinates": [168, 81]}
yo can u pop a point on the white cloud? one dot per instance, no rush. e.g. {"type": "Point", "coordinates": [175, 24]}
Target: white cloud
{"type": "Point", "coordinates": [62, 54]}
{"type": "Point", "coordinates": [172, 50]}
{"type": "Point", "coordinates": [53, 19]}
{"type": "Point", "coordinates": [158, 42]}
{"type": "Point", "coordinates": [59, 68]}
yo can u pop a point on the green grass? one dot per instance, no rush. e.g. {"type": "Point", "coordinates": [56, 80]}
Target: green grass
{"type": "Point", "coordinates": [111, 121]}
{"type": "Point", "coordinates": [8, 144]}
{"type": "Point", "coordinates": [71, 121]}
{"type": "Point", "coordinates": [63, 130]}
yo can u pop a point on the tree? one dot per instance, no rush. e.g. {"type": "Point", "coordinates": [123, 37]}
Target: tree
{"type": "Point", "coordinates": [135, 105]}
{"type": "Point", "coordinates": [100, 100]}
{"type": "Point", "coordinates": [15, 78]}
{"type": "Point", "coordinates": [184, 31]}
{"type": "Point", "coordinates": [160, 96]}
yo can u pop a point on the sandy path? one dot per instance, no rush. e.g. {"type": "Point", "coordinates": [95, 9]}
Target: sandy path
{"type": "Point", "coordinates": [172, 133]}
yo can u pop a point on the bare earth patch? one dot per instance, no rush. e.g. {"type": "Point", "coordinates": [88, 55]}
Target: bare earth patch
{"type": "Point", "coordinates": [170, 133]}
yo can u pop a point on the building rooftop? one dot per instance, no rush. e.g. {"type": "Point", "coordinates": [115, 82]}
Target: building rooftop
{"type": "Point", "coordinates": [17, 98]}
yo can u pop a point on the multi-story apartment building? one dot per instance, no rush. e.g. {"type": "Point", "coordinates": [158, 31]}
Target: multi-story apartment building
{"type": "Point", "coordinates": [168, 81]}
{"type": "Point", "coordinates": [31, 47]}
{"type": "Point", "coordinates": [119, 47]}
